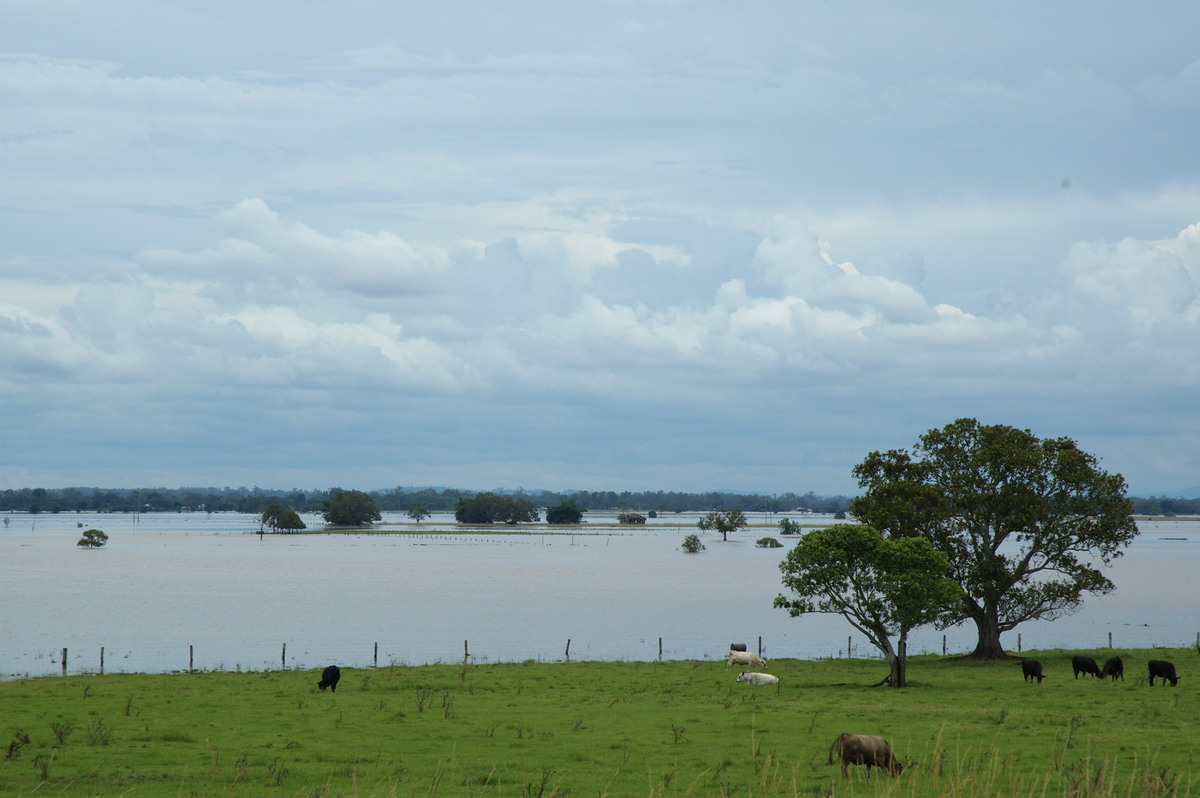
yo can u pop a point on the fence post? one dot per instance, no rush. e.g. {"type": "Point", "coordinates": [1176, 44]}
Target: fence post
{"type": "Point", "coordinates": [847, 646]}
{"type": "Point", "coordinates": [943, 645]}
{"type": "Point", "coordinates": [760, 645]}
{"type": "Point", "coordinates": [191, 658]}
{"type": "Point", "coordinates": [567, 653]}
{"type": "Point", "coordinates": [660, 645]}
{"type": "Point", "coordinates": [283, 657]}
{"type": "Point", "coordinates": [376, 660]}
{"type": "Point", "coordinates": [466, 653]}
{"type": "Point", "coordinates": [64, 662]}
{"type": "Point", "coordinates": [1018, 642]}
{"type": "Point", "coordinates": [1110, 639]}
{"type": "Point", "coordinates": [101, 660]}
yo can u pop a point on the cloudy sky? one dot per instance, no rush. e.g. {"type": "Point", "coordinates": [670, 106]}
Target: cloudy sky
{"type": "Point", "coordinates": [597, 244]}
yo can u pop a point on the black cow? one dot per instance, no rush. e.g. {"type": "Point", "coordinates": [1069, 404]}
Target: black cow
{"type": "Point", "coordinates": [1085, 665]}
{"type": "Point", "coordinates": [1164, 670]}
{"type": "Point", "coordinates": [1031, 669]}
{"type": "Point", "coordinates": [1114, 667]}
{"type": "Point", "coordinates": [329, 678]}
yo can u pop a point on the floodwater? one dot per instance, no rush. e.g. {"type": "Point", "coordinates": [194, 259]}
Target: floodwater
{"type": "Point", "coordinates": [172, 591]}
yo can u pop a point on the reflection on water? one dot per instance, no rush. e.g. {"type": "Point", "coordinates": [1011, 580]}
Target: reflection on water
{"type": "Point", "coordinates": [169, 582]}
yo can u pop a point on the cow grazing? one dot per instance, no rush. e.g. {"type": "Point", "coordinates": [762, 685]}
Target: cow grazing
{"type": "Point", "coordinates": [865, 749]}
{"type": "Point", "coordinates": [744, 658]}
{"type": "Point", "coordinates": [1031, 669]}
{"type": "Point", "coordinates": [1114, 667]}
{"type": "Point", "coordinates": [1164, 670]}
{"type": "Point", "coordinates": [1085, 665]}
{"type": "Point", "coordinates": [329, 678]}
{"type": "Point", "coordinates": [757, 678]}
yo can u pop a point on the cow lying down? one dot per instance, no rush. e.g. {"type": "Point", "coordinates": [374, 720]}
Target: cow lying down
{"type": "Point", "coordinates": [745, 658]}
{"type": "Point", "coordinates": [757, 678]}
{"type": "Point", "coordinates": [865, 749]}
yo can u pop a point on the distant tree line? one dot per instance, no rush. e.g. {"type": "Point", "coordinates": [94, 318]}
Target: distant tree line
{"type": "Point", "coordinates": [400, 499]}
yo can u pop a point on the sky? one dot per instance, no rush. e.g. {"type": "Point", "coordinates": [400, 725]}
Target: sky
{"type": "Point", "coordinates": [591, 244]}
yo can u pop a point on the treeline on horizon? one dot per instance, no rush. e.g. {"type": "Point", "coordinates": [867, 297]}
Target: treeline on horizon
{"type": "Point", "coordinates": [255, 500]}
{"type": "Point", "coordinates": [400, 499]}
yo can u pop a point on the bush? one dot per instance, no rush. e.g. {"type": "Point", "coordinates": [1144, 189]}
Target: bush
{"type": "Point", "coordinates": [692, 544]}
{"type": "Point", "coordinates": [768, 543]}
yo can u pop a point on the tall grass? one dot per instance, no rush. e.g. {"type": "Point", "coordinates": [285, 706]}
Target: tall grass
{"type": "Point", "coordinates": [602, 729]}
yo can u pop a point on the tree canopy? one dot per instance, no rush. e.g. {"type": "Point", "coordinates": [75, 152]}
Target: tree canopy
{"type": "Point", "coordinates": [350, 508]}
{"type": "Point", "coordinates": [1015, 516]}
{"type": "Point", "coordinates": [882, 586]}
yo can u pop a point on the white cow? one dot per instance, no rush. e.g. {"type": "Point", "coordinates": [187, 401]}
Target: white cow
{"type": "Point", "coordinates": [744, 658]}
{"type": "Point", "coordinates": [757, 678]}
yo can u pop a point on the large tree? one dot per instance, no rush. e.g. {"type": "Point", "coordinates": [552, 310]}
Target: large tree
{"type": "Point", "coordinates": [882, 586]}
{"type": "Point", "coordinates": [350, 508]}
{"type": "Point", "coordinates": [1024, 522]}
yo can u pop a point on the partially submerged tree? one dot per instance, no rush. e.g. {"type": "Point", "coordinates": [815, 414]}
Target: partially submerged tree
{"type": "Point", "coordinates": [723, 521]}
{"type": "Point", "coordinates": [882, 587]}
{"type": "Point", "coordinates": [418, 512]}
{"type": "Point", "coordinates": [692, 544]}
{"type": "Point", "coordinates": [1013, 514]}
{"type": "Point", "coordinates": [488, 508]}
{"type": "Point", "coordinates": [350, 508]}
{"type": "Point", "coordinates": [280, 519]}
{"type": "Point", "coordinates": [565, 512]}
{"type": "Point", "coordinates": [92, 539]}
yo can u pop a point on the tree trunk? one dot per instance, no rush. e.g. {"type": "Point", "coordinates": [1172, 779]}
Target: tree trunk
{"type": "Point", "coordinates": [988, 646]}
{"type": "Point", "coordinates": [899, 675]}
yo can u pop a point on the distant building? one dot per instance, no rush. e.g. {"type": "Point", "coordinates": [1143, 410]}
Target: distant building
{"type": "Point", "coordinates": [631, 518]}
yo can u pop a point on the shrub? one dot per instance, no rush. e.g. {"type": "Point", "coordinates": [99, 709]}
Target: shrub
{"type": "Point", "coordinates": [768, 543]}
{"type": "Point", "coordinates": [692, 544]}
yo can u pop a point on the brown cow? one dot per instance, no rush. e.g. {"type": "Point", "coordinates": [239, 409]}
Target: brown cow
{"type": "Point", "coordinates": [865, 749]}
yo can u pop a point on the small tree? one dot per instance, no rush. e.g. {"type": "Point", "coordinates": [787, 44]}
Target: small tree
{"type": "Point", "coordinates": [692, 544]}
{"type": "Point", "coordinates": [92, 539]}
{"type": "Point", "coordinates": [418, 512]}
{"type": "Point", "coordinates": [768, 543]}
{"type": "Point", "coordinates": [723, 521]}
{"type": "Point", "coordinates": [350, 508]}
{"type": "Point", "coordinates": [883, 587]}
{"type": "Point", "coordinates": [789, 527]}
{"type": "Point", "coordinates": [565, 512]}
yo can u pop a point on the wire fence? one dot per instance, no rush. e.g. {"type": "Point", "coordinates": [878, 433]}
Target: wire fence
{"type": "Point", "coordinates": [78, 659]}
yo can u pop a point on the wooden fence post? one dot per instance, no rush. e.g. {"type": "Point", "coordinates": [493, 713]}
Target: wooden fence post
{"type": "Point", "coordinates": [376, 660]}
{"type": "Point", "coordinates": [283, 657]}
{"type": "Point", "coordinates": [191, 658]}
{"type": "Point", "coordinates": [64, 662]}
{"type": "Point", "coordinates": [567, 653]}
{"type": "Point", "coordinates": [101, 660]}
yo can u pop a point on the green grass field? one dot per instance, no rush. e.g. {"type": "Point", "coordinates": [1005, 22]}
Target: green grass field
{"type": "Point", "coordinates": [603, 729]}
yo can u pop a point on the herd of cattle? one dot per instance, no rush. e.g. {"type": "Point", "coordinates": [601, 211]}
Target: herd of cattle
{"type": "Point", "coordinates": [874, 751]}
{"type": "Point", "coordinates": [870, 749]}
{"type": "Point", "coordinates": [1114, 668]}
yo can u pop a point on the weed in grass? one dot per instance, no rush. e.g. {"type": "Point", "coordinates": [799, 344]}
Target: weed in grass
{"type": "Point", "coordinates": [99, 732]}
{"type": "Point", "coordinates": [20, 739]}
{"type": "Point", "coordinates": [62, 730]}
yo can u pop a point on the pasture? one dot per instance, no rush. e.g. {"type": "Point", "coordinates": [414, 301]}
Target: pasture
{"type": "Point", "coordinates": [604, 729]}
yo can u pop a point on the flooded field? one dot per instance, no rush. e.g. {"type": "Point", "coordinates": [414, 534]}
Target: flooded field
{"type": "Point", "coordinates": [171, 591]}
